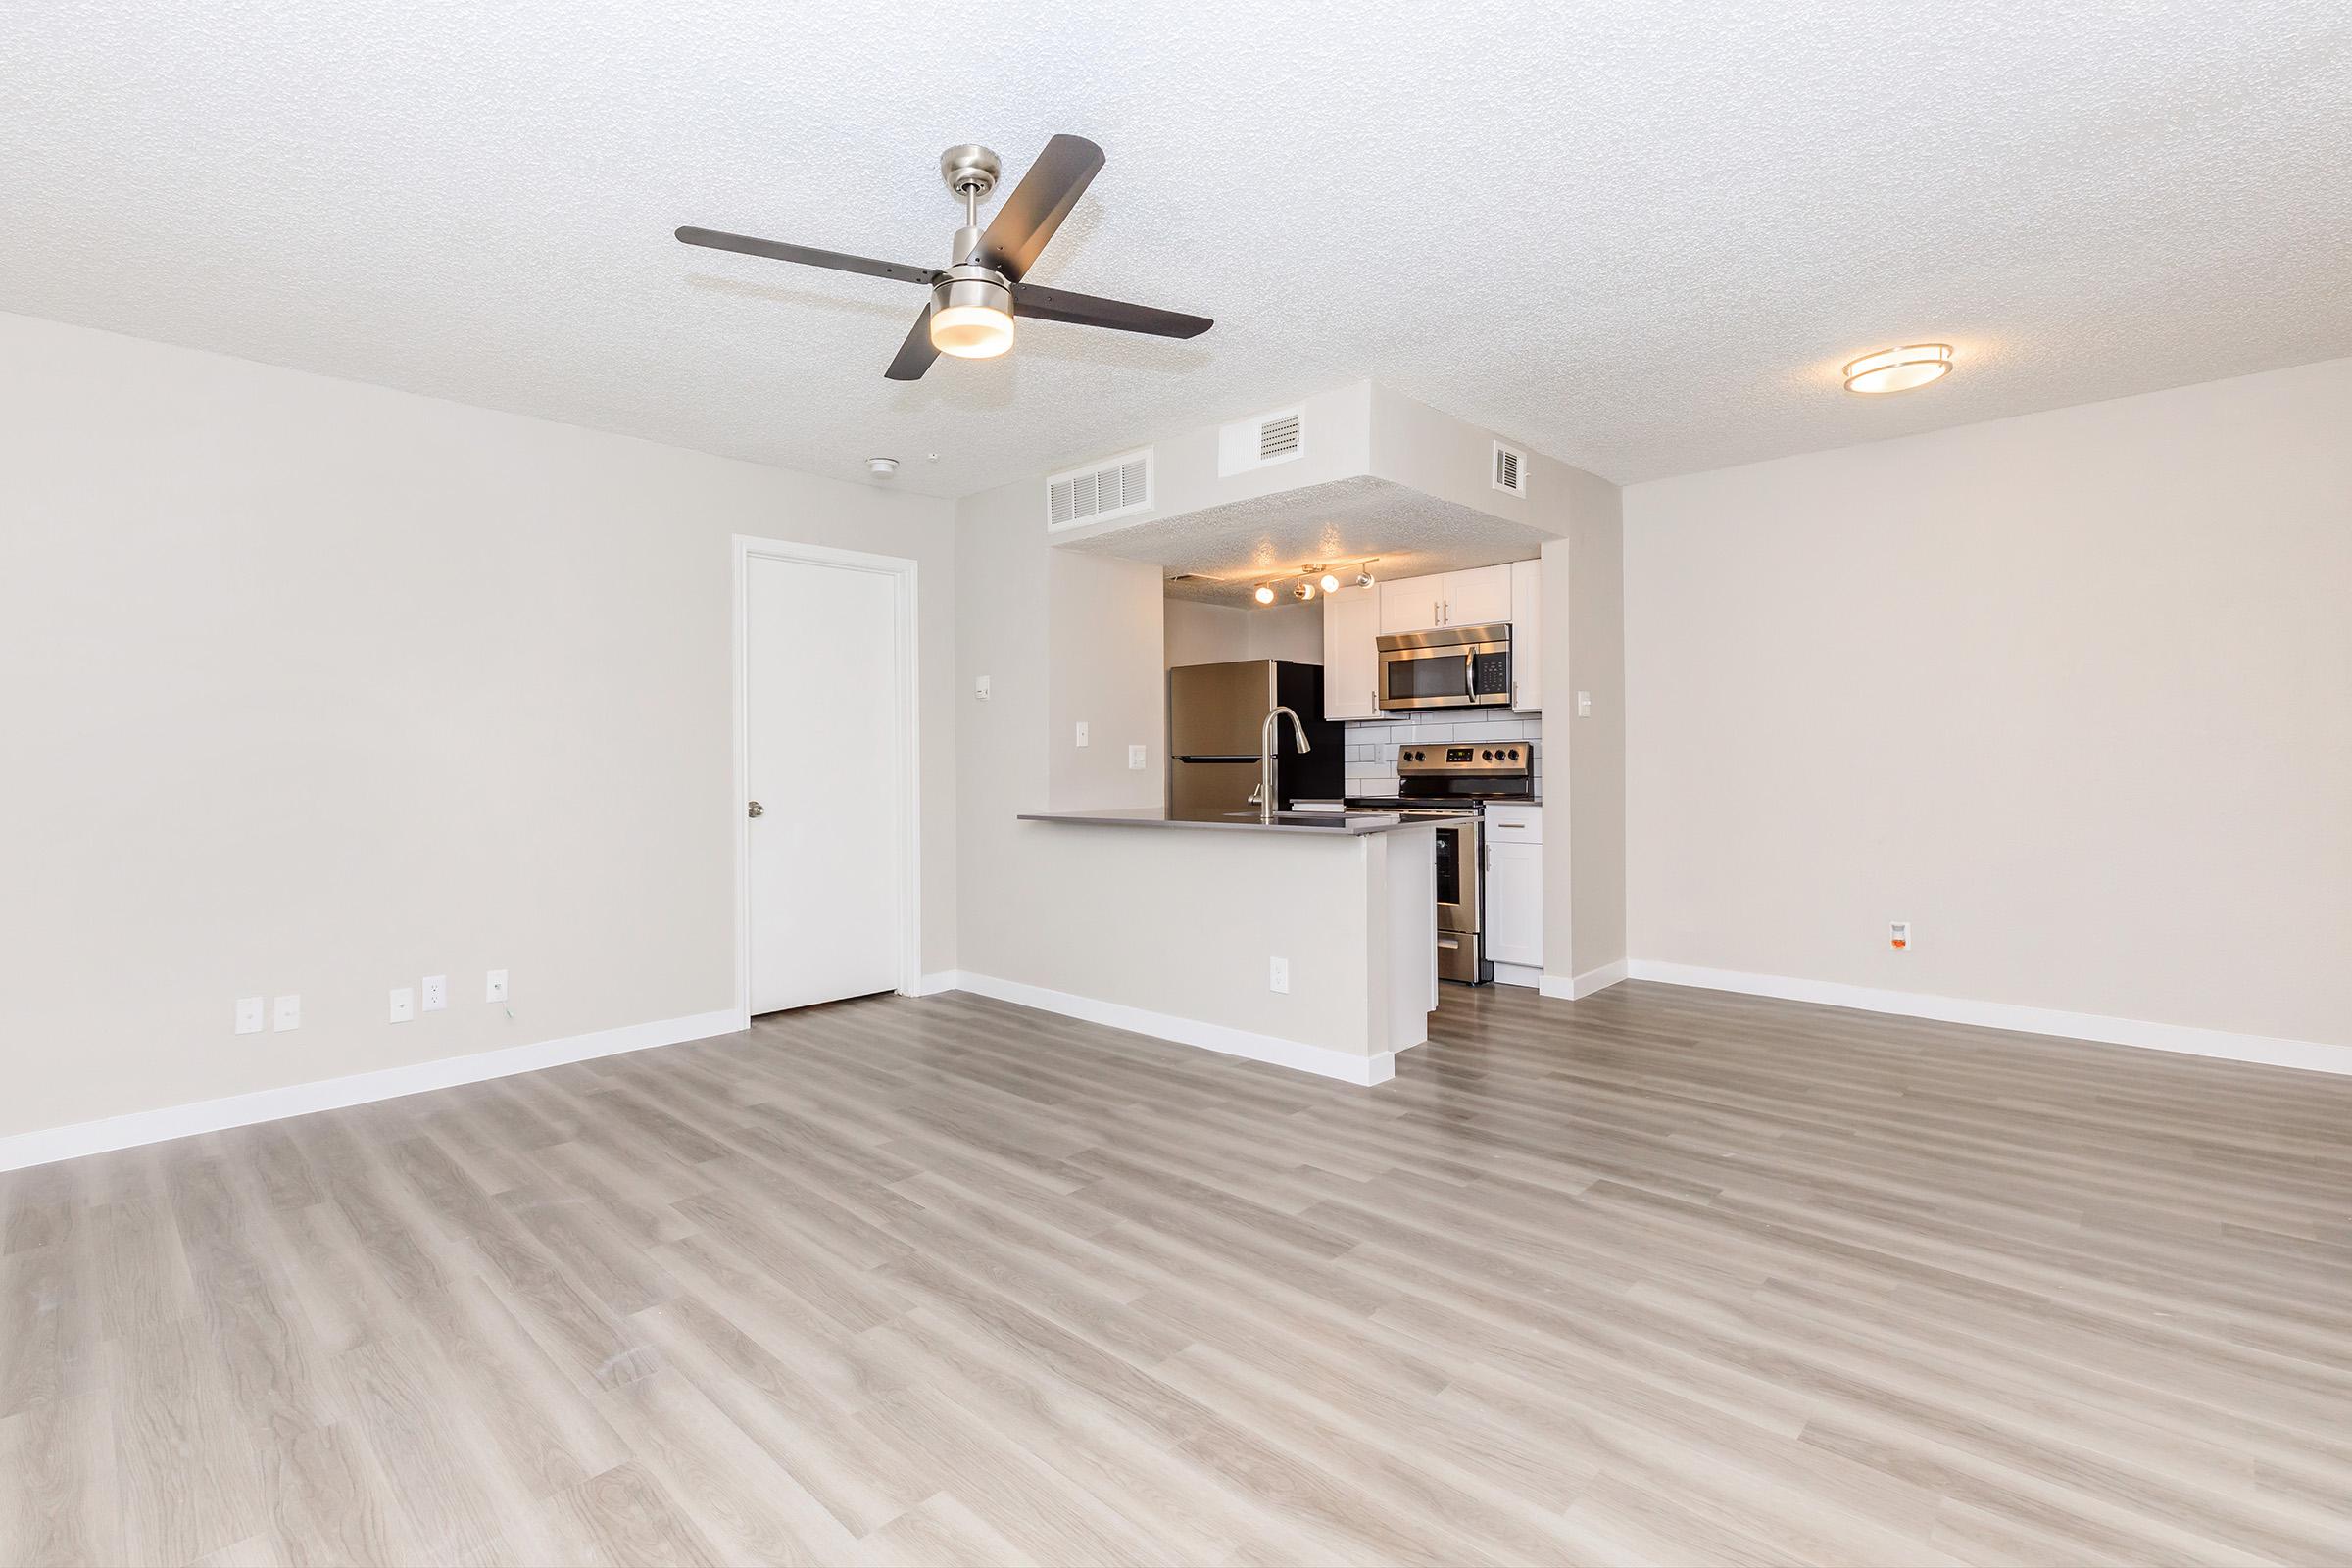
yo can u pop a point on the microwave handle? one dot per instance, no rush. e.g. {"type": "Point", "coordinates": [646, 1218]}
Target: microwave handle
{"type": "Point", "coordinates": [1470, 676]}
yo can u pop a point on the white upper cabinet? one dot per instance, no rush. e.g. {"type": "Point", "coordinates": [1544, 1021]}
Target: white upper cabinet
{"type": "Point", "coordinates": [1447, 599]}
{"type": "Point", "coordinates": [1475, 597]}
{"type": "Point", "coordinates": [1527, 636]}
{"type": "Point", "coordinates": [1414, 603]}
{"type": "Point", "coordinates": [1352, 621]}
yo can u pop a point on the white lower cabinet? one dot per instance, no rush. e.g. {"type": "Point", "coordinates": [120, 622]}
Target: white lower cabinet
{"type": "Point", "coordinates": [1514, 925]}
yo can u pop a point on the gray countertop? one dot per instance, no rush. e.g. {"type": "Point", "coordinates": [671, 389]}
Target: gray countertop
{"type": "Point", "coordinates": [1323, 824]}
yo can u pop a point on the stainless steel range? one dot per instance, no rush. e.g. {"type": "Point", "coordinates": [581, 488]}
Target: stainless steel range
{"type": "Point", "coordinates": [1451, 779]}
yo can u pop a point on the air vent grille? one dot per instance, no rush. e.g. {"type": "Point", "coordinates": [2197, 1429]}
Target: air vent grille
{"type": "Point", "coordinates": [1261, 442]}
{"type": "Point", "coordinates": [1510, 470]}
{"type": "Point", "coordinates": [1278, 437]}
{"type": "Point", "coordinates": [1098, 494]}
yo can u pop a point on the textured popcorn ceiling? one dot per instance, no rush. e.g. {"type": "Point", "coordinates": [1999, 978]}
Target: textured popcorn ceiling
{"type": "Point", "coordinates": [1232, 548]}
{"type": "Point", "coordinates": [1640, 236]}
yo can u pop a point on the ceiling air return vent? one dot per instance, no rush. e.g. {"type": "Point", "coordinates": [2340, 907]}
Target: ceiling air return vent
{"type": "Point", "coordinates": [1099, 493]}
{"type": "Point", "coordinates": [1510, 470]}
{"type": "Point", "coordinates": [1261, 442]}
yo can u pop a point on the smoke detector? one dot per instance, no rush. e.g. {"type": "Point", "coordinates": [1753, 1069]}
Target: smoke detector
{"type": "Point", "coordinates": [881, 468]}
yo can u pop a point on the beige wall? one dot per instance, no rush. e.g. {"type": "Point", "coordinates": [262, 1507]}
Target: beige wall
{"type": "Point", "coordinates": [1596, 756]}
{"type": "Point", "coordinates": [1211, 634]}
{"type": "Point", "coordinates": [1583, 578]}
{"type": "Point", "coordinates": [2072, 692]}
{"type": "Point", "coordinates": [1103, 646]}
{"type": "Point", "coordinates": [318, 687]}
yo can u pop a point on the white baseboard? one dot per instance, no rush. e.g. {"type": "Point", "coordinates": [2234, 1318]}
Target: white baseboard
{"type": "Point", "coordinates": [1321, 1060]}
{"type": "Point", "coordinates": [2310, 1055]}
{"type": "Point", "coordinates": [1575, 988]}
{"type": "Point", "coordinates": [41, 1146]}
{"type": "Point", "coordinates": [1519, 974]}
{"type": "Point", "coordinates": [931, 985]}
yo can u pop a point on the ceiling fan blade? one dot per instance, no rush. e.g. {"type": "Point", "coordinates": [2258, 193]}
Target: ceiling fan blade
{"type": "Point", "coordinates": [808, 256]}
{"type": "Point", "coordinates": [1037, 205]}
{"type": "Point", "coordinates": [1085, 309]}
{"type": "Point", "coordinates": [916, 352]}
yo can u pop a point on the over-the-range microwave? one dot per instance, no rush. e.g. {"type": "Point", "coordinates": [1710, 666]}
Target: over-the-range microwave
{"type": "Point", "coordinates": [1451, 667]}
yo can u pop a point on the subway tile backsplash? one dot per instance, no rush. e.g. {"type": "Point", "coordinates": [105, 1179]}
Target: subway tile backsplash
{"type": "Point", "coordinates": [1372, 743]}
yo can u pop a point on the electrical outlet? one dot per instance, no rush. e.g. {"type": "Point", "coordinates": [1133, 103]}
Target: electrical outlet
{"type": "Point", "coordinates": [404, 1004]}
{"type": "Point", "coordinates": [1583, 704]}
{"type": "Point", "coordinates": [248, 1016]}
{"type": "Point", "coordinates": [1135, 758]}
{"type": "Point", "coordinates": [436, 992]}
{"type": "Point", "coordinates": [496, 989]}
{"type": "Point", "coordinates": [980, 687]}
{"type": "Point", "coordinates": [287, 1013]}
{"type": "Point", "coordinates": [1082, 732]}
{"type": "Point", "coordinates": [1898, 935]}
{"type": "Point", "coordinates": [1277, 975]}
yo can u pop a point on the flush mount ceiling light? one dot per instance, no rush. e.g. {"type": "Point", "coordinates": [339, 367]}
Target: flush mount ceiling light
{"type": "Point", "coordinates": [1914, 365]}
{"type": "Point", "coordinates": [1264, 594]}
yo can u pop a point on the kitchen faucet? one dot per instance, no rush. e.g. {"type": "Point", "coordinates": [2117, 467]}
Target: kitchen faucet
{"type": "Point", "coordinates": [1268, 799]}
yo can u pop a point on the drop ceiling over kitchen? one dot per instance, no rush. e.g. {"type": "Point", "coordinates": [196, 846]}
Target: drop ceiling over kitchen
{"type": "Point", "coordinates": [1643, 238]}
{"type": "Point", "coordinates": [1218, 554]}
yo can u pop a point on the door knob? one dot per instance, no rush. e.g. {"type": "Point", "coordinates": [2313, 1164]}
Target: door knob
{"type": "Point", "coordinates": [756, 809]}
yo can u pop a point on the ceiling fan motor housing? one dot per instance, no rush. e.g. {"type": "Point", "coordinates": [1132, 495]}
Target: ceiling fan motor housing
{"type": "Point", "coordinates": [968, 284]}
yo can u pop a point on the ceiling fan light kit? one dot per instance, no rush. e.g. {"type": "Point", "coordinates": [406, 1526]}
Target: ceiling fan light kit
{"type": "Point", "coordinates": [975, 300]}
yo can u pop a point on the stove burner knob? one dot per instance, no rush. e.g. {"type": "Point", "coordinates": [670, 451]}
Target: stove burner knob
{"type": "Point", "coordinates": [1486, 756]}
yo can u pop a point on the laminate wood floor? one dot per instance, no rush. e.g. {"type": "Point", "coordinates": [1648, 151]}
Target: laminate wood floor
{"type": "Point", "coordinates": [1663, 1276]}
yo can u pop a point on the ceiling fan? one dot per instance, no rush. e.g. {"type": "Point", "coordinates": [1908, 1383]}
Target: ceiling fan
{"type": "Point", "coordinates": [974, 299]}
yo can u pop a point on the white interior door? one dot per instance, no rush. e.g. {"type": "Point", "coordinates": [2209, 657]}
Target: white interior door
{"type": "Point", "coordinates": [825, 757]}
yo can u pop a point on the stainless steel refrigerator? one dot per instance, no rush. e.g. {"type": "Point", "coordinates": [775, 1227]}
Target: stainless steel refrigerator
{"type": "Point", "coordinates": [1217, 714]}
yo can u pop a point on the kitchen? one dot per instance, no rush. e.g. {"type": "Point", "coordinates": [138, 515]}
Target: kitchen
{"type": "Point", "coordinates": [1418, 679]}
{"type": "Point", "coordinates": [1452, 659]}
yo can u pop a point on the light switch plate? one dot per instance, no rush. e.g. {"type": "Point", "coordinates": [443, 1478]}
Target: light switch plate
{"type": "Point", "coordinates": [248, 1016]}
{"type": "Point", "coordinates": [404, 1004]}
{"type": "Point", "coordinates": [1082, 732]}
{"type": "Point", "coordinates": [287, 1013]}
{"type": "Point", "coordinates": [496, 988]}
{"type": "Point", "coordinates": [1135, 758]}
{"type": "Point", "coordinates": [1583, 704]}
{"type": "Point", "coordinates": [436, 992]}
{"type": "Point", "coordinates": [980, 687]}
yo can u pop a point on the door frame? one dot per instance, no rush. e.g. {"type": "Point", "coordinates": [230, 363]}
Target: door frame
{"type": "Point", "coordinates": [746, 548]}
